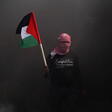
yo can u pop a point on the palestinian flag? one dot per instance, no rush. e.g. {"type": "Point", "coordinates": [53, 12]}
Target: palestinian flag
{"type": "Point", "coordinates": [29, 31]}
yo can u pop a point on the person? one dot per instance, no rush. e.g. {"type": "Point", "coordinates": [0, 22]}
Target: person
{"type": "Point", "coordinates": [63, 68]}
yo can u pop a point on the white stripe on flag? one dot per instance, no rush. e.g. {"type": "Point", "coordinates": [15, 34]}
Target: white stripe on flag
{"type": "Point", "coordinates": [24, 34]}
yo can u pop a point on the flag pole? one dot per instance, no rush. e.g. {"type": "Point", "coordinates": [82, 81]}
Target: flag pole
{"type": "Point", "coordinates": [43, 54]}
{"type": "Point", "coordinates": [39, 40]}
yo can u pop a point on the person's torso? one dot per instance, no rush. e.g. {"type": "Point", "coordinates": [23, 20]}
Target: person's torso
{"type": "Point", "coordinates": [62, 69]}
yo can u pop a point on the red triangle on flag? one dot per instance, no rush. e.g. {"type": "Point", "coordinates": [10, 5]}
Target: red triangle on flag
{"type": "Point", "coordinates": [32, 28]}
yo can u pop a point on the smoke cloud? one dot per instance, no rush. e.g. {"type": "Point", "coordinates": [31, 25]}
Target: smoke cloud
{"type": "Point", "coordinates": [21, 75]}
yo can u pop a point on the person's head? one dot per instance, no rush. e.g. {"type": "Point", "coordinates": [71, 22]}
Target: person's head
{"type": "Point", "coordinates": [64, 42]}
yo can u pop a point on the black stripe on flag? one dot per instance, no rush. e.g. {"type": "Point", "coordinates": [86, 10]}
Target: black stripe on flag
{"type": "Point", "coordinates": [24, 22]}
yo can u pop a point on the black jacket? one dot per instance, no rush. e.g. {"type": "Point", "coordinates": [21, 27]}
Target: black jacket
{"type": "Point", "coordinates": [64, 71]}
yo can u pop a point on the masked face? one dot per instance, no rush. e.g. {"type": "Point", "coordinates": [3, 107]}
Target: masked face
{"type": "Point", "coordinates": [64, 46]}
{"type": "Point", "coordinates": [64, 42]}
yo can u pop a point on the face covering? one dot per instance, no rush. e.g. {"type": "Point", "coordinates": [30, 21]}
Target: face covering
{"type": "Point", "coordinates": [64, 42]}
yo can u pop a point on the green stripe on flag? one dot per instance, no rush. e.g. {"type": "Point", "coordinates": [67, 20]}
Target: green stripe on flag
{"type": "Point", "coordinates": [28, 42]}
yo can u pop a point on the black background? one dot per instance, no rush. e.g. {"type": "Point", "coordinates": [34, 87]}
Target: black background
{"type": "Point", "coordinates": [89, 22]}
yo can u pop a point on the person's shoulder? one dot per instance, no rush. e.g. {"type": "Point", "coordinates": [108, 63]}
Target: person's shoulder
{"type": "Point", "coordinates": [73, 54]}
{"type": "Point", "coordinates": [49, 57]}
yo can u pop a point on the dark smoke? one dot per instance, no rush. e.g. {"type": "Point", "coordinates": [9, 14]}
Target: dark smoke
{"type": "Point", "coordinates": [22, 85]}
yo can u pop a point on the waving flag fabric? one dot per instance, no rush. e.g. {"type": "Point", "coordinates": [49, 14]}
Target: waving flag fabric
{"type": "Point", "coordinates": [29, 31]}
